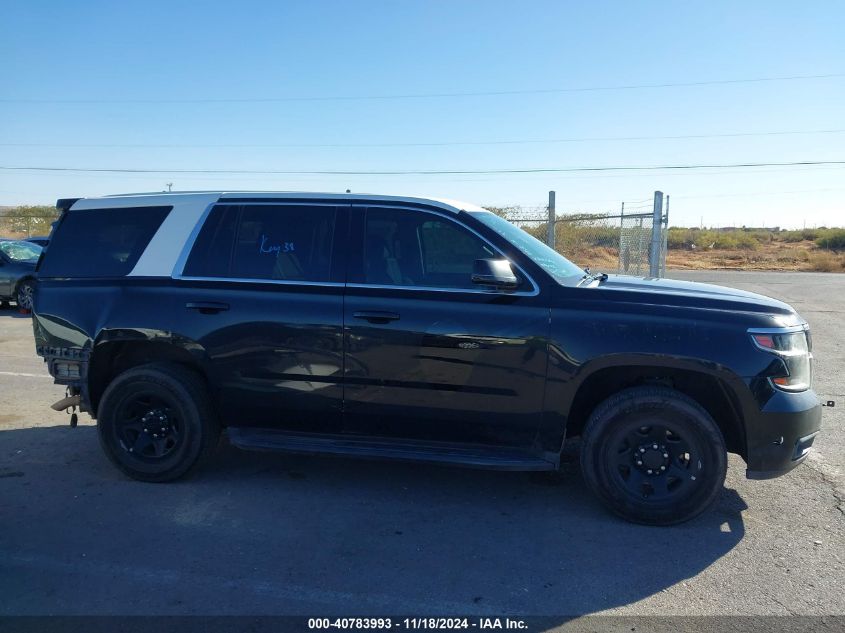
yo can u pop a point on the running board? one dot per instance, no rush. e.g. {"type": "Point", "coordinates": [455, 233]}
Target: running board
{"type": "Point", "coordinates": [382, 448]}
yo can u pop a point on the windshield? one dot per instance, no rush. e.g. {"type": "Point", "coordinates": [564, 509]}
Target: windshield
{"type": "Point", "coordinates": [563, 270]}
{"type": "Point", "coordinates": [21, 251]}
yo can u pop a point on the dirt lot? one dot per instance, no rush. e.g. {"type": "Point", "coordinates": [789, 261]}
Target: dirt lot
{"type": "Point", "coordinates": [270, 534]}
{"type": "Point", "coordinates": [775, 256]}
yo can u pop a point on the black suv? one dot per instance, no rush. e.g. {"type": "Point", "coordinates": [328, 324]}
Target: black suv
{"type": "Point", "coordinates": [415, 329]}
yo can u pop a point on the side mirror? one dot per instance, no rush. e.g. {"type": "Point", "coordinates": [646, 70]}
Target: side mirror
{"type": "Point", "coordinates": [494, 272]}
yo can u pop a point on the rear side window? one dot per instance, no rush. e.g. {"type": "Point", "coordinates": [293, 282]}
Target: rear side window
{"type": "Point", "coordinates": [273, 242]}
{"type": "Point", "coordinates": [101, 242]}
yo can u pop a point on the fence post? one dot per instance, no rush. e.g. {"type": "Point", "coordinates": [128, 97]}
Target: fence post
{"type": "Point", "coordinates": [622, 265]}
{"type": "Point", "coordinates": [664, 253]}
{"type": "Point", "coordinates": [550, 227]}
{"type": "Point", "coordinates": [656, 224]}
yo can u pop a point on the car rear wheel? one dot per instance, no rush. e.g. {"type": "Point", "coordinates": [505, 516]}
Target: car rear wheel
{"type": "Point", "coordinates": [25, 294]}
{"type": "Point", "coordinates": [156, 423]}
{"type": "Point", "coordinates": [654, 456]}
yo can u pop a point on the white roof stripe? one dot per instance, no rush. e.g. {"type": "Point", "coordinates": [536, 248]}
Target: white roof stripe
{"type": "Point", "coordinates": [202, 197]}
{"type": "Point", "coordinates": [162, 253]}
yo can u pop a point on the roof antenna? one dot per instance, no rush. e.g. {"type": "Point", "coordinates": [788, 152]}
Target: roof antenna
{"type": "Point", "coordinates": [349, 191]}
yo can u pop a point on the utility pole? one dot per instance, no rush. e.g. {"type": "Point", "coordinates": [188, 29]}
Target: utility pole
{"type": "Point", "coordinates": [169, 187]}
{"type": "Point", "coordinates": [656, 222]}
{"type": "Point", "coordinates": [550, 228]}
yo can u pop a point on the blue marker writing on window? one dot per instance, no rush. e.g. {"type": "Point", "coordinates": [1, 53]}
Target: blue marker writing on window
{"type": "Point", "coordinates": [284, 247]}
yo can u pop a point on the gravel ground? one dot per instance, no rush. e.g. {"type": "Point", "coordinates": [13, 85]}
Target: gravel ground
{"type": "Point", "coordinates": [273, 534]}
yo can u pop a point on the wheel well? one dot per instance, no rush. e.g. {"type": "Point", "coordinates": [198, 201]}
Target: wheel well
{"type": "Point", "coordinates": [19, 282]}
{"type": "Point", "coordinates": [710, 392]}
{"type": "Point", "coordinates": [111, 359]}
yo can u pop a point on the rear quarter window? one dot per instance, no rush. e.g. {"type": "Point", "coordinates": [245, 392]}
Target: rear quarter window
{"type": "Point", "coordinates": [100, 242]}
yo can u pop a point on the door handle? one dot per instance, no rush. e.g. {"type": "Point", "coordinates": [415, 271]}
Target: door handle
{"type": "Point", "coordinates": [207, 307]}
{"type": "Point", "coordinates": [376, 316]}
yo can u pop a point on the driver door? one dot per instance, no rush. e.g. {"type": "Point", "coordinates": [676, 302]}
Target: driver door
{"type": "Point", "coordinates": [428, 354]}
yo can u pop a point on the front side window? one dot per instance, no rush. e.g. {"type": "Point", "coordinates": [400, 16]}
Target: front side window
{"type": "Point", "coordinates": [272, 242]}
{"type": "Point", "coordinates": [403, 247]}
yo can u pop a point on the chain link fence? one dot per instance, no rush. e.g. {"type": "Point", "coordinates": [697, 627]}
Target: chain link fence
{"type": "Point", "coordinates": [604, 242]}
{"type": "Point", "coordinates": [17, 225]}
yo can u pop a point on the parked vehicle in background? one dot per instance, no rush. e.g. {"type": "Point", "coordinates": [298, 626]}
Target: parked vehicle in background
{"type": "Point", "coordinates": [42, 241]}
{"type": "Point", "coordinates": [17, 271]}
{"type": "Point", "coordinates": [410, 328]}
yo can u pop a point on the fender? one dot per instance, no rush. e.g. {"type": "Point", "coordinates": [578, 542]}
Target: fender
{"type": "Point", "coordinates": [133, 346]}
{"type": "Point", "coordinates": [564, 387]}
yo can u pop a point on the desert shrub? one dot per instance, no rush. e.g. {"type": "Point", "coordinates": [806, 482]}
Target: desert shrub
{"type": "Point", "coordinates": [706, 239]}
{"type": "Point", "coordinates": [824, 262]}
{"type": "Point", "coordinates": [833, 239]}
{"type": "Point", "coordinates": [735, 240]}
{"type": "Point", "coordinates": [681, 238]}
{"type": "Point", "coordinates": [790, 237]}
{"type": "Point", "coordinates": [747, 241]}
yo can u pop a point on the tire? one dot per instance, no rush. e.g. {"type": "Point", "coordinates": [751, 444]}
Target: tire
{"type": "Point", "coordinates": [156, 423]}
{"type": "Point", "coordinates": [25, 294]}
{"type": "Point", "coordinates": [671, 484]}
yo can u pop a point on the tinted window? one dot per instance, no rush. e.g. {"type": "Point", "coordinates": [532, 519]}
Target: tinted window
{"type": "Point", "coordinates": [212, 251]}
{"type": "Point", "coordinates": [412, 248]}
{"type": "Point", "coordinates": [278, 242]}
{"type": "Point", "coordinates": [101, 242]}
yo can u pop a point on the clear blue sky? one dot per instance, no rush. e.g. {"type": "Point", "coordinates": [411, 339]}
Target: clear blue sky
{"type": "Point", "coordinates": [114, 53]}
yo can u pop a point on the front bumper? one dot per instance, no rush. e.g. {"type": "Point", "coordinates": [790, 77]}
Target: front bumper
{"type": "Point", "coordinates": [780, 436]}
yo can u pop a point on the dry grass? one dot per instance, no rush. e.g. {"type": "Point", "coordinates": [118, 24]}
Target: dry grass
{"type": "Point", "coordinates": [826, 262]}
{"type": "Point", "coordinates": [804, 255]}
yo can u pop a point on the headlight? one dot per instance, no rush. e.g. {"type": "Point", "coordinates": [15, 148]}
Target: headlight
{"type": "Point", "coordinates": [792, 345]}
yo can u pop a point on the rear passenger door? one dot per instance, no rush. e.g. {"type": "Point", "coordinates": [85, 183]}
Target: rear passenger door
{"type": "Point", "coordinates": [263, 290]}
{"type": "Point", "coordinates": [430, 355]}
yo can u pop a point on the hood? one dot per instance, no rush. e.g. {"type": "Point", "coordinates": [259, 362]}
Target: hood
{"type": "Point", "coordinates": [672, 292]}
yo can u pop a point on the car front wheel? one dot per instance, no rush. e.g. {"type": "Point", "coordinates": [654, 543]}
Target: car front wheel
{"type": "Point", "coordinates": [654, 456]}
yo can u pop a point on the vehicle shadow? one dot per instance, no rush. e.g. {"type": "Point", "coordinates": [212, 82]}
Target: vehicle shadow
{"type": "Point", "coordinates": [7, 310]}
{"type": "Point", "coordinates": [262, 533]}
